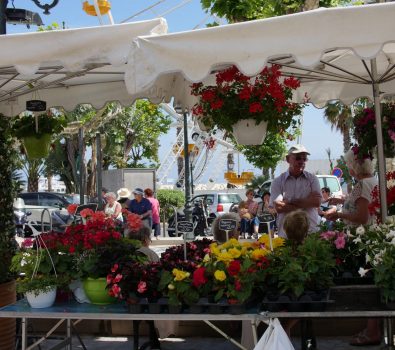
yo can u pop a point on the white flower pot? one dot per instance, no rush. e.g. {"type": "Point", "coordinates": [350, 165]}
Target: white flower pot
{"type": "Point", "coordinates": [246, 132]}
{"type": "Point", "coordinates": [42, 299]}
{"type": "Point", "coordinates": [201, 124]}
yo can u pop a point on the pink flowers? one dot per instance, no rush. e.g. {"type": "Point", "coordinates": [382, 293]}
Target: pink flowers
{"type": "Point", "coordinates": [141, 287]}
{"type": "Point", "coordinates": [340, 241]}
{"type": "Point", "coordinates": [338, 238]}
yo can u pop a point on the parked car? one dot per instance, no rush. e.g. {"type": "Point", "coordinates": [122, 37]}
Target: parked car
{"type": "Point", "coordinates": [330, 181]}
{"type": "Point", "coordinates": [36, 202]}
{"type": "Point", "coordinates": [217, 203]}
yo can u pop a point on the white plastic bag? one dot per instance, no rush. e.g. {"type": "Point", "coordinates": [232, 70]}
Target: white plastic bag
{"type": "Point", "coordinates": [274, 338]}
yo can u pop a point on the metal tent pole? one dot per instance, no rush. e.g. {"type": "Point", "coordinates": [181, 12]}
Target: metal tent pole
{"type": "Point", "coordinates": [82, 164]}
{"type": "Point", "coordinates": [99, 171]}
{"type": "Point", "coordinates": [379, 135]}
{"type": "Point", "coordinates": [188, 209]}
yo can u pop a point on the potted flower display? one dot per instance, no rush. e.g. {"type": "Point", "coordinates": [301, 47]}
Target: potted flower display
{"type": "Point", "coordinates": [377, 241]}
{"type": "Point", "coordinates": [365, 129]}
{"type": "Point", "coordinates": [374, 205]}
{"type": "Point", "coordinates": [300, 272]}
{"type": "Point", "coordinates": [36, 132]}
{"type": "Point", "coordinates": [94, 248]}
{"type": "Point", "coordinates": [38, 279]}
{"type": "Point", "coordinates": [248, 107]}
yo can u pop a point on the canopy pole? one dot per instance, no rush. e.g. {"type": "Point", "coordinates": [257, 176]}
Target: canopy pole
{"type": "Point", "coordinates": [99, 165]}
{"type": "Point", "coordinates": [379, 135]}
{"type": "Point", "coordinates": [188, 205]}
{"type": "Point", "coordinates": [81, 151]}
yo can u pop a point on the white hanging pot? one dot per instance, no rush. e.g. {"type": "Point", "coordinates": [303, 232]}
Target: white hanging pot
{"type": "Point", "coordinates": [201, 124]}
{"type": "Point", "coordinates": [247, 132]}
{"type": "Point", "coordinates": [42, 299]}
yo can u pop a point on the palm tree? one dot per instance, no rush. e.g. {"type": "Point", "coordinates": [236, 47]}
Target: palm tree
{"type": "Point", "coordinates": [340, 117]}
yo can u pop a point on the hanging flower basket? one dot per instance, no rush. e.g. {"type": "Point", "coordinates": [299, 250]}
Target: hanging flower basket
{"type": "Point", "coordinates": [37, 146]}
{"type": "Point", "coordinates": [263, 101]}
{"type": "Point", "coordinates": [36, 131]}
{"type": "Point", "coordinates": [247, 132]}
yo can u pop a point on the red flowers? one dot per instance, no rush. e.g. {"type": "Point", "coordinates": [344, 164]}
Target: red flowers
{"type": "Point", "coordinates": [234, 267]}
{"type": "Point", "coordinates": [198, 277]}
{"type": "Point", "coordinates": [134, 222]}
{"type": "Point", "coordinates": [72, 208]}
{"type": "Point", "coordinates": [266, 98]}
{"type": "Point", "coordinates": [85, 213]}
{"type": "Point", "coordinates": [142, 287]}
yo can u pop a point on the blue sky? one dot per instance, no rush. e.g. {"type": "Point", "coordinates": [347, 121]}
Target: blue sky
{"type": "Point", "coordinates": [317, 134]}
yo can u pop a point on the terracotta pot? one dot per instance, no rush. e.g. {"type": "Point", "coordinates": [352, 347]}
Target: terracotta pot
{"type": "Point", "coordinates": [247, 132]}
{"type": "Point", "coordinates": [7, 325]}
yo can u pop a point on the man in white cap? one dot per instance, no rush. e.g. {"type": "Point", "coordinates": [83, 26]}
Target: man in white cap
{"type": "Point", "coordinates": [296, 189]}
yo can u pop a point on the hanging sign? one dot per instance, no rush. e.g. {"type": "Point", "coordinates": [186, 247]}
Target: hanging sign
{"type": "Point", "coordinates": [36, 106]}
{"type": "Point", "coordinates": [337, 172]}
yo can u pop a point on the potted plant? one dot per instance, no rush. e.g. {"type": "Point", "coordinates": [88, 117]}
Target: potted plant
{"type": "Point", "coordinates": [7, 231]}
{"type": "Point", "coordinates": [296, 269]}
{"type": "Point", "coordinates": [365, 129]}
{"type": "Point", "coordinates": [248, 107]}
{"type": "Point", "coordinates": [377, 243]}
{"type": "Point", "coordinates": [95, 247]}
{"type": "Point", "coordinates": [38, 279]}
{"type": "Point", "coordinates": [135, 281]}
{"type": "Point", "coordinates": [36, 132]}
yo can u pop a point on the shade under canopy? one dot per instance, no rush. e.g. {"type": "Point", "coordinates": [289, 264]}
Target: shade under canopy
{"type": "Point", "coordinates": [325, 48]}
{"type": "Point", "coordinates": [69, 67]}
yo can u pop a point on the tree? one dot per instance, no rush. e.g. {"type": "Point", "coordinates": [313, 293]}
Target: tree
{"type": "Point", "coordinates": [267, 155]}
{"type": "Point", "coordinates": [339, 117]}
{"type": "Point", "coordinates": [132, 137]}
{"type": "Point", "coordinates": [242, 10]}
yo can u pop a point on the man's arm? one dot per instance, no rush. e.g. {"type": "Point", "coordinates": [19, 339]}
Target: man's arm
{"type": "Point", "coordinates": [313, 200]}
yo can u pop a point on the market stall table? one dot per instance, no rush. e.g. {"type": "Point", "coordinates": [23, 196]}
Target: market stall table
{"type": "Point", "coordinates": [75, 311]}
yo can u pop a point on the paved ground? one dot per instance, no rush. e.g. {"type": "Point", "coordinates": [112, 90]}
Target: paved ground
{"type": "Point", "coordinates": [126, 343]}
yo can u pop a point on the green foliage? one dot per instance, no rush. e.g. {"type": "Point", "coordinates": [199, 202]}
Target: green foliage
{"type": "Point", "coordinates": [132, 137]}
{"type": "Point", "coordinates": [268, 154]}
{"type": "Point", "coordinates": [52, 26]}
{"type": "Point", "coordinates": [39, 284]}
{"type": "Point", "coordinates": [8, 157]}
{"type": "Point", "coordinates": [309, 266]}
{"type": "Point", "coordinates": [384, 274]}
{"type": "Point", "coordinates": [48, 123]}
{"type": "Point", "coordinates": [169, 198]}
{"type": "Point", "coordinates": [242, 10]}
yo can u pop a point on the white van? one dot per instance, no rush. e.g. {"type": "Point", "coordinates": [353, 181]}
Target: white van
{"type": "Point", "coordinates": [330, 181]}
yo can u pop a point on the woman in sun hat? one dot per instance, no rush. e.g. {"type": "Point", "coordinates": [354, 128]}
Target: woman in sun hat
{"type": "Point", "coordinates": [123, 197]}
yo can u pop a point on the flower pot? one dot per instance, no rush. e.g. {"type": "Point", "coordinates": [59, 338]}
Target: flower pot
{"type": "Point", "coordinates": [7, 325]}
{"type": "Point", "coordinates": [42, 299]}
{"type": "Point", "coordinates": [201, 125]}
{"type": "Point", "coordinates": [37, 147]}
{"type": "Point", "coordinates": [247, 132]}
{"type": "Point", "coordinates": [95, 290]}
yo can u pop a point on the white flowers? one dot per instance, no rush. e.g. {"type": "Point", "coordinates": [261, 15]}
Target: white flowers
{"type": "Point", "coordinates": [357, 240]}
{"type": "Point", "coordinates": [362, 272]}
{"type": "Point", "coordinates": [360, 230]}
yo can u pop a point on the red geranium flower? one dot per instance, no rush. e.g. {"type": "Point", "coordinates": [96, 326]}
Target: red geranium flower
{"type": "Point", "coordinates": [234, 267]}
{"type": "Point", "coordinates": [198, 277]}
{"type": "Point", "coordinates": [72, 208]}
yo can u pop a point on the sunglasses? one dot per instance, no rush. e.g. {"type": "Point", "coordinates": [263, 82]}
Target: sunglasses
{"type": "Point", "coordinates": [304, 158]}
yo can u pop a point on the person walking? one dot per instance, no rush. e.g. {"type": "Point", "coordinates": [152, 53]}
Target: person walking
{"type": "Point", "coordinates": [149, 194]}
{"type": "Point", "coordinates": [296, 189]}
{"type": "Point", "coordinates": [141, 206]}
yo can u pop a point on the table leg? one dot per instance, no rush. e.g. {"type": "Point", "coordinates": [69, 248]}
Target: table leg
{"type": "Point", "coordinates": [254, 331]}
{"type": "Point", "coordinates": [69, 334]}
{"type": "Point", "coordinates": [24, 335]}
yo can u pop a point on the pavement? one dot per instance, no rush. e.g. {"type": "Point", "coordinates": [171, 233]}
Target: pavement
{"type": "Point", "coordinates": [199, 343]}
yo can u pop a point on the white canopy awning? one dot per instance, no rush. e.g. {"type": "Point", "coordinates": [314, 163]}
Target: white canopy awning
{"type": "Point", "coordinates": [325, 48]}
{"type": "Point", "coordinates": [69, 67]}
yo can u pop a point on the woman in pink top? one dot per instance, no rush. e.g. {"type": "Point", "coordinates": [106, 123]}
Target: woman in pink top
{"type": "Point", "coordinates": [149, 194]}
{"type": "Point", "coordinates": [250, 224]}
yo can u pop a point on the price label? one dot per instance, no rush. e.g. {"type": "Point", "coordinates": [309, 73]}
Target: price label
{"type": "Point", "coordinates": [36, 106]}
{"type": "Point", "coordinates": [266, 218]}
{"type": "Point", "coordinates": [185, 226]}
{"type": "Point", "coordinates": [227, 224]}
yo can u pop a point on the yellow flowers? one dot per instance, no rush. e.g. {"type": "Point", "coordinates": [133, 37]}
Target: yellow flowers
{"type": "Point", "coordinates": [276, 242]}
{"type": "Point", "coordinates": [180, 275]}
{"type": "Point", "coordinates": [220, 275]}
{"type": "Point", "coordinates": [258, 254]}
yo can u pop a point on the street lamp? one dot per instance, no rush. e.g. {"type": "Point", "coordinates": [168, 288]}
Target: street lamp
{"type": "Point", "coordinates": [22, 16]}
